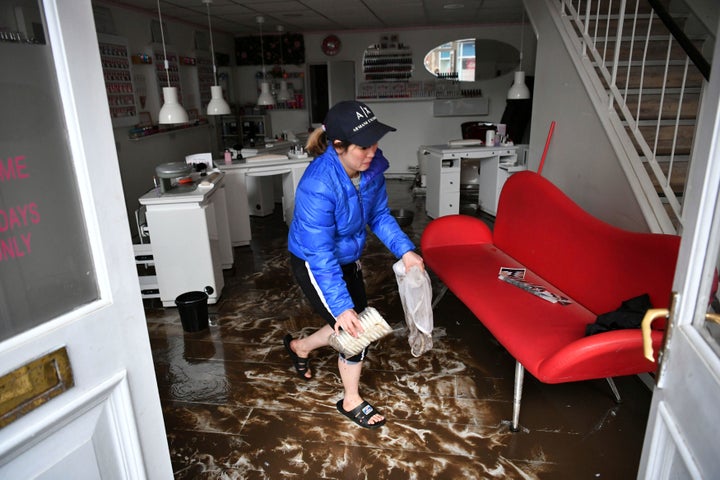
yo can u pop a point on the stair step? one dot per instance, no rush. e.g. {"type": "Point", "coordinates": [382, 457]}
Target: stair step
{"type": "Point", "coordinates": [683, 142]}
{"type": "Point", "coordinates": [652, 123]}
{"type": "Point", "coordinates": [603, 8]}
{"type": "Point", "coordinates": [676, 159]}
{"type": "Point", "coordinates": [611, 24]}
{"type": "Point", "coordinates": [657, 48]}
{"type": "Point", "coordinates": [678, 178]}
{"type": "Point", "coordinates": [650, 107]}
{"type": "Point", "coordinates": [635, 62]}
{"type": "Point", "coordinates": [654, 76]}
{"type": "Point", "coordinates": [688, 91]}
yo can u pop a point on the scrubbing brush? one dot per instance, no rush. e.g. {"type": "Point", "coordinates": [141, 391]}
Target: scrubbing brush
{"type": "Point", "coordinates": [374, 328]}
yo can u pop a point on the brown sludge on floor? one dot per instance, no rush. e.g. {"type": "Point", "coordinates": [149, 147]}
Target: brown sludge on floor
{"type": "Point", "coordinates": [235, 409]}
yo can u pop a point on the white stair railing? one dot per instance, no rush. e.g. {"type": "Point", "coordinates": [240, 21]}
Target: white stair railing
{"type": "Point", "coordinates": [608, 49]}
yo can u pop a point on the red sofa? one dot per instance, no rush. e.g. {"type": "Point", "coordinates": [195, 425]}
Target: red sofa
{"type": "Point", "coordinates": [573, 254]}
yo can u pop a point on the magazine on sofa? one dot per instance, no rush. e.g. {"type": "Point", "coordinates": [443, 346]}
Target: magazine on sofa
{"type": "Point", "coordinates": [516, 276]}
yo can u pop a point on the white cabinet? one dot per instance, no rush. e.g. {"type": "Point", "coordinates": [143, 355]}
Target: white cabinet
{"type": "Point", "coordinates": [189, 239]}
{"type": "Point", "coordinates": [242, 172]}
{"type": "Point", "coordinates": [444, 164]}
{"type": "Point", "coordinates": [443, 187]}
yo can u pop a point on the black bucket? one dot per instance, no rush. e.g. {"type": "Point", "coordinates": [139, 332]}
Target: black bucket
{"type": "Point", "coordinates": [193, 311]}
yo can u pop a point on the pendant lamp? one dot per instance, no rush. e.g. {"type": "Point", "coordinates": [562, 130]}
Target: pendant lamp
{"type": "Point", "coordinates": [171, 112]}
{"type": "Point", "coordinates": [283, 94]}
{"type": "Point", "coordinates": [265, 97]}
{"type": "Point", "coordinates": [217, 104]}
{"type": "Point", "coordinates": [518, 90]}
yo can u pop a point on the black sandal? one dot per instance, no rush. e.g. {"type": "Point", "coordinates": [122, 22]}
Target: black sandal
{"type": "Point", "coordinates": [301, 365]}
{"type": "Point", "coordinates": [361, 414]}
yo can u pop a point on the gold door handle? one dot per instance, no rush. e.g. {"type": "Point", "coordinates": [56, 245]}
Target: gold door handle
{"type": "Point", "coordinates": [647, 320]}
{"type": "Point", "coordinates": [650, 316]}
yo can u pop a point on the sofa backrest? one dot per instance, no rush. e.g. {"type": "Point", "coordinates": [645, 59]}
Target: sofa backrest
{"type": "Point", "coordinates": [595, 263]}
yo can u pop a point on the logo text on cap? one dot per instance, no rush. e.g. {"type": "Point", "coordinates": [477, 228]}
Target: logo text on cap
{"type": "Point", "coordinates": [363, 113]}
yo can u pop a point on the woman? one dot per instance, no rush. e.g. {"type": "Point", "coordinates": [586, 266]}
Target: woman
{"type": "Point", "coordinates": [341, 192]}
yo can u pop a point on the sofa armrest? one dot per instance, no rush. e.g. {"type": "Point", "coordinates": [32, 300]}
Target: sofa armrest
{"type": "Point", "coordinates": [609, 354]}
{"type": "Point", "coordinates": [455, 230]}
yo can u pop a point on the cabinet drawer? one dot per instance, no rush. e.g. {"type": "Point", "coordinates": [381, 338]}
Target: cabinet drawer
{"type": "Point", "coordinates": [507, 160]}
{"type": "Point", "coordinates": [449, 205]}
{"type": "Point", "coordinates": [450, 182]}
{"type": "Point", "coordinates": [450, 165]}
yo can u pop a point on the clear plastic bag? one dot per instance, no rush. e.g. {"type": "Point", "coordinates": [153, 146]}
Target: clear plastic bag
{"type": "Point", "coordinates": [416, 297]}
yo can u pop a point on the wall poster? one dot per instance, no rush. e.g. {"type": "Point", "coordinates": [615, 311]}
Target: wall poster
{"type": "Point", "coordinates": [46, 267]}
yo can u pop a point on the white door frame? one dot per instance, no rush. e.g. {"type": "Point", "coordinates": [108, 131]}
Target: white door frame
{"type": "Point", "coordinates": [109, 424]}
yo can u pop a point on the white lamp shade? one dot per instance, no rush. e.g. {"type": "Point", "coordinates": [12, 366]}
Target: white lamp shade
{"type": "Point", "coordinates": [519, 91]}
{"type": "Point", "coordinates": [283, 94]}
{"type": "Point", "coordinates": [265, 97]}
{"type": "Point", "coordinates": [172, 111]}
{"type": "Point", "coordinates": [217, 105]}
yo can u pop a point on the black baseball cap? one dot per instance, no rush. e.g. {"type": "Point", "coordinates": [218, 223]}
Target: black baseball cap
{"type": "Point", "coordinates": [354, 122]}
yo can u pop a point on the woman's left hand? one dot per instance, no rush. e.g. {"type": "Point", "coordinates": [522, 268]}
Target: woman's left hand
{"type": "Point", "coordinates": [411, 259]}
{"type": "Point", "coordinates": [350, 322]}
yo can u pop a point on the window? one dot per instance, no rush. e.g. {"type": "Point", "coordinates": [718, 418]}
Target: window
{"type": "Point", "coordinates": [470, 59]}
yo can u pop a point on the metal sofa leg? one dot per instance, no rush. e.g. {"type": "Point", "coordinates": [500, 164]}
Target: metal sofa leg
{"type": "Point", "coordinates": [614, 389]}
{"type": "Point", "coordinates": [439, 296]}
{"type": "Point", "coordinates": [517, 396]}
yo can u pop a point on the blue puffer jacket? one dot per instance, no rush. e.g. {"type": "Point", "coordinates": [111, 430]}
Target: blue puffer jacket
{"type": "Point", "coordinates": [329, 224]}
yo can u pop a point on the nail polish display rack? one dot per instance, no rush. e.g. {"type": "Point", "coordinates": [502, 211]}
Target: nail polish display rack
{"type": "Point", "coordinates": [115, 61]}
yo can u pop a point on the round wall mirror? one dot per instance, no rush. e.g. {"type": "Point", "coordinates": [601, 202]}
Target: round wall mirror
{"type": "Point", "coordinates": [470, 59]}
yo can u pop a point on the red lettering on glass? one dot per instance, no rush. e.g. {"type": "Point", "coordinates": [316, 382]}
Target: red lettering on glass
{"type": "Point", "coordinates": [11, 248]}
{"type": "Point", "coordinates": [14, 221]}
{"type": "Point", "coordinates": [20, 216]}
{"type": "Point", "coordinates": [13, 168]}
{"type": "Point", "coordinates": [34, 214]}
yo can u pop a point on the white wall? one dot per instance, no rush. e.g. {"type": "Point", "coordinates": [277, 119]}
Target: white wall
{"type": "Point", "coordinates": [139, 157]}
{"type": "Point", "coordinates": [580, 160]}
{"type": "Point", "coordinates": [413, 119]}
{"type": "Point", "coordinates": [706, 12]}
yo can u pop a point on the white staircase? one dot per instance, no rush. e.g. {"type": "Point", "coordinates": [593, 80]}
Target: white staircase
{"type": "Point", "coordinates": [650, 85]}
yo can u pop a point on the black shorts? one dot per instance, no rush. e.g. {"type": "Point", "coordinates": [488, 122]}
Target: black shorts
{"type": "Point", "coordinates": [352, 275]}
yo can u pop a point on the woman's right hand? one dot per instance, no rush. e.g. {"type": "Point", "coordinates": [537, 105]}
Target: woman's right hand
{"type": "Point", "coordinates": [350, 322]}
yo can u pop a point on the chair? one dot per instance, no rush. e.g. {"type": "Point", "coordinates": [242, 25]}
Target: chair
{"type": "Point", "coordinates": [475, 130]}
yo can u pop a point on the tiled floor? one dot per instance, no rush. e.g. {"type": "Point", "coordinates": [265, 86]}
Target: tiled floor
{"type": "Point", "coordinates": [234, 407]}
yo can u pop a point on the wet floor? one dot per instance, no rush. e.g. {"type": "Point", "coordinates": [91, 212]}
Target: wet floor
{"type": "Point", "coordinates": [235, 409]}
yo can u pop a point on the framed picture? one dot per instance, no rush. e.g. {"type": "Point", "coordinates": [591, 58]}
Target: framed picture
{"type": "Point", "coordinates": [144, 119]}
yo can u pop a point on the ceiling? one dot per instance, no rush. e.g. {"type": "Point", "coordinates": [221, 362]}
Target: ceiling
{"type": "Point", "coordinates": [238, 17]}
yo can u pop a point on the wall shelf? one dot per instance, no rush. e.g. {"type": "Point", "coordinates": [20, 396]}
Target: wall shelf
{"type": "Point", "coordinates": [418, 90]}
{"type": "Point", "coordinates": [387, 64]}
{"type": "Point", "coordinates": [119, 86]}
{"type": "Point", "coordinates": [154, 131]}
